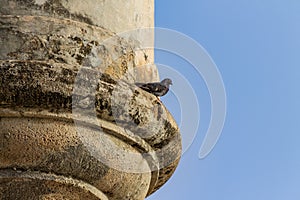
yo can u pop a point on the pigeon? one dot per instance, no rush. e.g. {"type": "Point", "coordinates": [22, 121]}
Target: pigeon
{"type": "Point", "coordinates": [158, 88]}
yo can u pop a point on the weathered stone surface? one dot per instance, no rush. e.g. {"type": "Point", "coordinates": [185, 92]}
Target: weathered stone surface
{"type": "Point", "coordinates": [117, 15]}
{"type": "Point", "coordinates": [55, 145]}
{"type": "Point", "coordinates": [72, 123]}
{"type": "Point", "coordinates": [45, 187]}
{"type": "Point", "coordinates": [48, 92]}
{"type": "Point", "coordinates": [68, 42]}
{"type": "Point", "coordinates": [57, 88]}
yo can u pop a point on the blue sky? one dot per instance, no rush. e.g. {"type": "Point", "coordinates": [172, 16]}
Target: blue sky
{"type": "Point", "coordinates": [256, 46]}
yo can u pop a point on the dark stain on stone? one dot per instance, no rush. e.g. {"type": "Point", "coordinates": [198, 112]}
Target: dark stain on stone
{"type": "Point", "coordinates": [77, 39]}
{"type": "Point", "coordinates": [135, 115]}
{"type": "Point", "coordinates": [108, 79]}
{"type": "Point", "coordinates": [169, 133]}
{"type": "Point", "coordinates": [13, 91]}
{"type": "Point", "coordinates": [79, 59]}
{"type": "Point", "coordinates": [55, 7]}
{"type": "Point", "coordinates": [75, 161]}
{"type": "Point", "coordinates": [19, 189]}
{"type": "Point", "coordinates": [102, 104]}
{"type": "Point", "coordinates": [52, 8]}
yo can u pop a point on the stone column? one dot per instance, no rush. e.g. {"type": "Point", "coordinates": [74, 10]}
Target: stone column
{"type": "Point", "coordinates": [72, 123]}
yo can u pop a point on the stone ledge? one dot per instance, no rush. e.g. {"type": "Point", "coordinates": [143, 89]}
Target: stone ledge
{"type": "Point", "coordinates": [86, 101]}
{"type": "Point", "coordinates": [51, 145]}
{"type": "Point", "coordinates": [15, 184]}
{"type": "Point", "coordinates": [68, 105]}
{"type": "Point", "coordinates": [87, 92]}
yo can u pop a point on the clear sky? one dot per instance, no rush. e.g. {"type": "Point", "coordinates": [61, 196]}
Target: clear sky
{"type": "Point", "coordinates": [256, 47]}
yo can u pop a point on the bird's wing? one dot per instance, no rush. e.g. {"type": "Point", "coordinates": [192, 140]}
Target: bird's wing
{"type": "Point", "coordinates": [153, 87]}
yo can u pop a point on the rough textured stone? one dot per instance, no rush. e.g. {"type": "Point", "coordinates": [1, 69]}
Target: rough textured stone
{"type": "Point", "coordinates": [45, 187]}
{"type": "Point", "coordinates": [41, 144]}
{"type": "Point", "coordinates": [67, 42]}
{"type": "Point", "coordinates": [72, 123]}
{"type": "Point", "coordinates": [118, 15]}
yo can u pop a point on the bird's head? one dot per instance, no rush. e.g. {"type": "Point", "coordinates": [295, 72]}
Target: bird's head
{"type": "Point", "coordinates": [167, 82]}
